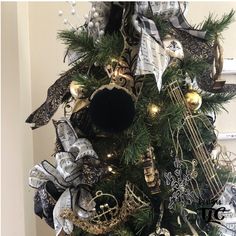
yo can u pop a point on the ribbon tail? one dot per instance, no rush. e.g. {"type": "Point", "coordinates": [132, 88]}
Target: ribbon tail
{"type": "Point", "coordinates": [64, 203]}
{"type": "Point", "coordinates": [55, 97]}
{"type": "Point", "coordinates": [180, 22]}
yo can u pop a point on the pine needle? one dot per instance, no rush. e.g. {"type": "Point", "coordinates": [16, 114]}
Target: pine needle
{"type": "Point", "coordinates": [215, 26]}
{"type": "Point", "coordinates": [214, 102]}
{"type": "Point", "coordinates": [143, 219]}
{"type": "Point", "coordinates": [101, 51]}
{"type": "Point", "coordinates": [138, 140]}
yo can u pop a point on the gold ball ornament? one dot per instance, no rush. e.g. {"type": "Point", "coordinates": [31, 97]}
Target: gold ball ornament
{"type": "Point", "coordinates": [193, 99]}
{"type": "Point", "coordinates": [76, 90]}
{"type": "Point", "coordinates": [153, 110]}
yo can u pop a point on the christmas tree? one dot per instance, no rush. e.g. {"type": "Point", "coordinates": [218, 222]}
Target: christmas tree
{"type": "Point", "coordinates": [135, 151]}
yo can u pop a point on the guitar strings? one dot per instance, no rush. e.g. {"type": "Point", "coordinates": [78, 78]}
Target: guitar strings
{"type": "Point", "coordinates": [200, 157]}
{"type": "Point", "coordinates": [202, 148]}
{"type": "Point", "coordinates": [174, 96]}
{"type": "Point", "coordinates": [196, 135]}
{"type": "Point", "coordinates": [199, 149]}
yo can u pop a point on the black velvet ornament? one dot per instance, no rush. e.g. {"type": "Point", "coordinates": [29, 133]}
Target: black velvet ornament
{"type": "Point", "coordinates": [112, 109]}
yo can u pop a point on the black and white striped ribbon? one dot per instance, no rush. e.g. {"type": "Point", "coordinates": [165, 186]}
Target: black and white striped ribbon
{"type": "Point", "coordinates": [179, 22]}
{"type": "Point", "coordinates": [149, 27]}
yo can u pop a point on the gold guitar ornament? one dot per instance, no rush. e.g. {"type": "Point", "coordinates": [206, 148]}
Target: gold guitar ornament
{"type": "Point", "coordinates": [198, 146]}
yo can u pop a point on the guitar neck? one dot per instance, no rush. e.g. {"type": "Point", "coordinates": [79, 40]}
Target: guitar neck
{"type": "Point", "coordinates": [199, 148]}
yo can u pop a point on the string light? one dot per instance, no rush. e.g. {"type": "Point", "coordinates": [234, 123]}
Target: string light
{"type": "Point", "coordinates": [153, 110]}
{"type": "Point", "coordinates": [110, 169]}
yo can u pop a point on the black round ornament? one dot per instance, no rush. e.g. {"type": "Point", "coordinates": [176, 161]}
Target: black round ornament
{"type": "Point", "coordinates": [112, 109]}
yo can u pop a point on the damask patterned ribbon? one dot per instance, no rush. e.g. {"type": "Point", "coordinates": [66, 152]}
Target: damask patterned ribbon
{"type": "Point", "coordinates": [55, 97]}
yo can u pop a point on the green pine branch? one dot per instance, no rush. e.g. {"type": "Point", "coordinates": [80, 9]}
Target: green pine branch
{"type": "Point", "coordinates": [163, 26]}
{"type": "Point", "coordinates": [138, 139]}
{"type": "Point", "coordinates": [193, 67]}
{"type": "Point", "coordinates": [143, 220]}
{"type": "Point", "coordinates": [78, 42]}
{"type": "Point", "coordinates": [214, 102]}
{"type": "Point", "coordinates": [101, 51]}
{"type": "Point", "coordinates": [90, 83]}
{"type": "Point", "coordinates": [108, 48]}
{"type": "Point", "coordinates": [123, 231]}
{"type": "Point", "coordinates": [214, 26]}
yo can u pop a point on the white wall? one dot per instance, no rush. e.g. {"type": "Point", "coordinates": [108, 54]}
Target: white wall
{"type": "Point", "coordinates": [17, 142]}
{"type": "Point", "coordinates": [32, 59]}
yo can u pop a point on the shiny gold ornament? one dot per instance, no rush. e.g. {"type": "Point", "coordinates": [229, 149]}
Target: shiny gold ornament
{"type": "Point", "coordinates": [153, 110]}
{"type": "Point", "coordinates": [76, 90]}
{"type": "Point", "coordinates": [193, 99]}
